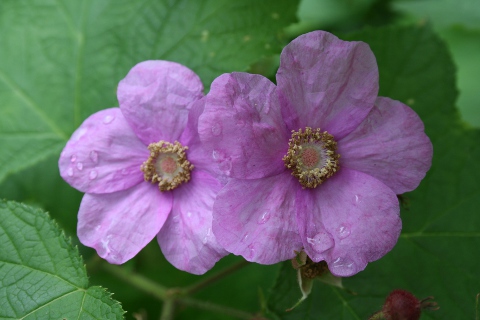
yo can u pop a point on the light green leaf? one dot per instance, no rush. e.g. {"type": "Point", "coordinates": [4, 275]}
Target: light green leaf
{"type": "Point", "coordinates": [436, 252]}
{"type": "Point", "coordinates": [42, 276]}
{"type": "Point", "coordinates": [61, 60]}
{"type": "Point", "coordinates": [458, 23]}
{"type": "Point", "coordinates": [444, 13]}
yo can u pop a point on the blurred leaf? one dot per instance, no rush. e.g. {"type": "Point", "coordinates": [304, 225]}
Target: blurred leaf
{"type": "Point", "coordinates": [444, 13]}
{"type": "Point", "coordinates": [435, 252]}
{"type": "Point", "coordinates": [458, 23]}
{"type": "Point", "coordinates": [60, 61]}
{"type": "Point", "coordinates": [42, 275]}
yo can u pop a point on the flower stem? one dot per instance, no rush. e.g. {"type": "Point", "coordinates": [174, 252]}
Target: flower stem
{"type": "Point", "coordinates": [138, 281]}
{"type": "Point", "coordinates": [167, 309]}
{"type": "Point", "coordinates": [177, 295]}
{"type": "Point", "coordinates": [207, 281]}
{"type": "Point", "coordinates": [205, 305]}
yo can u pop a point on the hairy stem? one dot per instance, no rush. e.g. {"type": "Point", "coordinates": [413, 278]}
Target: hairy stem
{"type": "Point", "coordinates": [178, 295]}
{"type": "Point", "coordinates": [205, 305]}
{"type": "Point", "coordinates": [138, 281]}
{"type": "Point", "coordinates": [208, 281]}
{"type": "Point", "coordinates": [168, 309]}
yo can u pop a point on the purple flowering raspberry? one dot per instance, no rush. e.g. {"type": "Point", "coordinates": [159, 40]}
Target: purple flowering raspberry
{"type": "Point", "coordinates": [316, 161]}
{"type": "Point", "coordinates": [144, 172]}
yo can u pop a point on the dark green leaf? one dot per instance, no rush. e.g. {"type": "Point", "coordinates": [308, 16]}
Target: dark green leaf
{"type": "Point", "coordinates": [42, 276]}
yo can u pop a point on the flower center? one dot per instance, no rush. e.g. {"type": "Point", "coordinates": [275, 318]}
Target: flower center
{"type": "Point", "coordinates": [167, 165]}
{"type": "Point", "coordinates": [311, 156]}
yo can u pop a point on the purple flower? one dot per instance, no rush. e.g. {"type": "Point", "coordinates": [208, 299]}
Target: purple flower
{"type": "Point", "coordinates": [316, 161]}
{"type": "Point", "coordinates": [144, 171]}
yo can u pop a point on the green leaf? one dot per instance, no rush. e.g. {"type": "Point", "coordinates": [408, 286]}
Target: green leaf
{"type": "Point", "coordinates": [458, 23]}
{"type": "Point", "coordinates": [443, 13]}
{"type": "Point", "coordinates": [435, 253]}
{"type": "Point", "coordinates": [60, 61]}
{"type": "Point", "coordinates": [42, 276]}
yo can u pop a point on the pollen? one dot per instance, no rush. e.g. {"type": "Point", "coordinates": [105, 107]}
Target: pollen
{"type": "Point", "coordinates": [167, 165]}
{"type": "Point", "coordinates": [312, 156]}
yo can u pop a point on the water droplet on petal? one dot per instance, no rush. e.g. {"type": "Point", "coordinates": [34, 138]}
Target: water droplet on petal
{"type": "Point", "coordinates": [216, 129]}
{"type": "Point", "coordinates": [108, 119]}
{"type": "Point", "coordinates": [207, 235]}
{"type": "Point", "coordinates": [80, 166]}
{"type": "Point", "coordinates": [240, 123]}
{"type": "Point", "coordinates": [189, 214]}
{"type": "Point", "coordinates": [264, 217]}
{"type": "Point", "coordinates": [226, 166]}
{"type": "Point", "coordinates": [343, 232]}
{"type": "Point", "coordinates": [321, 242]}
{"type": "Point", "coordinates": [93, 174]}
{"type": "Point", "coordinates": [78, 134]}
{"type": "Point", "coordinates": [94, 156]}
{"type": "Point", "coordinates": [342, 267]}
{"type": "Point", "coordinates": [73, 158]}
{"type": "Point", "coordinates": [244, 237]}
{"type": "Point", "coordinates": [251, 251]}
{"type": "Point", "coordinates": [70, 172]}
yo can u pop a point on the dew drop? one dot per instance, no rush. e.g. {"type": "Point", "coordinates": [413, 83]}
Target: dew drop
{"type": "Point", "coordinates": [216, 129]}
{"type": "Point", "coordinates": [342, 267]}
{"type": "Point", "coordinates": [73, 158]}
{"type": "Point", "coordinates": [94, 156]}
{"type": "Point", "coordinates": [321, 242]}
{"type": "Point", "coordinates": [264, 217]}
{"type": "Point", "coordinates": [80, 166]}
{"type": "Point", "coordinates": [93, 174]}
{"type": "Point", "coordinates": [245, 237]}
{"type": "Point", "coordinates": [240, 123]}
{"type": "Point", "coordinates": [343, 232]}
{"type": "Point", "coordinates": [189, 214]}
{"type": "Point", "coordinates": [108, 119]}
{"type": "Point", "coordinates": [207, 235]}
{"type": "Point", "coordinates": [218, 155]}
{"type": "Point", "coordinates": [226, 166]}
{"type": "Point", "coordinates": [251, 251]}
{"type": "Point", "coordinates": [78, 134]}
{"type": "Point", "coordinates": [70, 172]}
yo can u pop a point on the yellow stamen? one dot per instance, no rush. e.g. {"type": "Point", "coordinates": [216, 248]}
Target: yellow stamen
{"type": "Point", "coordinates": [311, 156]}
{"type": "Point", "coordinates": [167, 165]}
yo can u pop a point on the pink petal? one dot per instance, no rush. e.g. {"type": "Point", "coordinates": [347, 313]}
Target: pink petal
{"type": "Point", "coordinates": [332, 84]}
{"type": "Point", "coordinates": [198, 153]}
{"type": "Point", "coordinates": [256, 218]}
{"type": "Point", "coordinates": [348, 221]}
{"type": "Point", "coordinates": [155, 97]}
{"type": "Point", "coordinates": [118, 225]}
{"type": "Point", "coordinates": [243, 125]}
{"type": "Point", "coordinates": [103, 155]}
{"type": "Point", "coordinates": [186, 239]}
{"type": "Point", "coordinates": [390, 145]}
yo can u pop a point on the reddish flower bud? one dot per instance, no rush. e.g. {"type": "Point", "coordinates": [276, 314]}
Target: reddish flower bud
{"type": "Point", "coordinates": [402, 305]}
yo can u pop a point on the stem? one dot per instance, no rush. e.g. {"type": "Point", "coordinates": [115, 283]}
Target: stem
{"type": "Point", "coordinates": [167, 310]}
{"type": "Point", "coordinates": [205, 305]}
{"type": "Point", "coordinates": [138, 281]}
{"type": "Point", "coordinates": [208, 281]}
{"type": "Point", "coordinates": [171, 296]}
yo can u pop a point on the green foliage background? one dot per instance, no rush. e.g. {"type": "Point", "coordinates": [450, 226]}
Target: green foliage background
{"type": "Point", "coordinates": [60, 61]}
